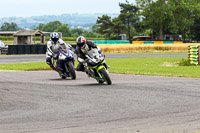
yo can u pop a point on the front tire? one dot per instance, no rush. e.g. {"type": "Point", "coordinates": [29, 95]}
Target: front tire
{"type": "Point", "coordinates": [101, 82]}
{"type": "Point", "coordinates": [62, 76]}
{"type": "Point", "coordinates": [71, 69]}
{"type": "Point", "coordinates": [105, 76]}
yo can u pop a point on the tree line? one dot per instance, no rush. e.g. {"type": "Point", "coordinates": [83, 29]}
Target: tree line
{"type": "Point", "coordinates": [9, 27]}
{"type": "Point", "coordinates": [154, 18]}
{"type": "Point", "coordinates": [56, 26]}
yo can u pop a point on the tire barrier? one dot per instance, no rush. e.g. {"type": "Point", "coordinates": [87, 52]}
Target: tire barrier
{"type": "Point", "coordinates": [3, 51]}
{"type": "Point", "coordinates": [194, 55]}
{"type": "Point", "coordinates": [157, 42]}
{"type": "Point", "coordinates": [28, 49]}
{"type": "Point", "coordinates": [111, 41]}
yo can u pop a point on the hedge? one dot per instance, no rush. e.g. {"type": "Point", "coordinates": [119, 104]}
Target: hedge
{"type": "Point", "coordinates": [74, 38]}
{"type": "Point", "coordinates": [6, 38]}
{"type": "Point", "coordinates": [11, 38]}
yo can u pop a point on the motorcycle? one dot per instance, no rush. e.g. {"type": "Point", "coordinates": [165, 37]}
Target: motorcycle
{"type": "Point", "coordinates": [65, 56]}
{"type": "Point", "coordinates": [96, 67]}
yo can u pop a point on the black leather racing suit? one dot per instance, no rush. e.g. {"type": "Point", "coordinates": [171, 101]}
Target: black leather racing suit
{"type": "Point", "coordinates": [80, 52]}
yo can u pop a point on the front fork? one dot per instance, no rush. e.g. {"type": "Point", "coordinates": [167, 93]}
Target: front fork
{"type": "Point", "coordinates": [103, 65]}
{"type": "Point", "coordinates": [106, 67]}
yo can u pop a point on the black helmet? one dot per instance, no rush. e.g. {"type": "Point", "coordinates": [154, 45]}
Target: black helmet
{"type": "Point", "coordinates": [81, 41]}
{"type": "Point", "coordinates": [55, 37]}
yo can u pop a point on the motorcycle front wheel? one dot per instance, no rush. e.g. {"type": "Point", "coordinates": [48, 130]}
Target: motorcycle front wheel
{"type": "Point", "coordinates": [105, 76]}
{"type": "Point", "coordinates": [100, 81]}
{"type": "Point", "coordinates": [62, 76]}
{"type": "Point", "coordinates": [70, 68]}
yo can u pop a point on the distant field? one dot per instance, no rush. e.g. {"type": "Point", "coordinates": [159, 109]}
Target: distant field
{"type": "Point", "coordinates": [121, 48]}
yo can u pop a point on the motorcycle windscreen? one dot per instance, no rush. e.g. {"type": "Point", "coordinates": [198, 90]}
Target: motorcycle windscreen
{"type": "Point", "coordinates": [63, 50]}
{"type": "Point", "coordinates": [93, 54]}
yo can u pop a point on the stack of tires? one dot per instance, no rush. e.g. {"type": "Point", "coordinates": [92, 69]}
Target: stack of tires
{"type": "Point", "coordinates": [27, 49]}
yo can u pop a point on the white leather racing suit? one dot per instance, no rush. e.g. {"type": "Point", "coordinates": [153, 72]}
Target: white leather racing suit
{"type": "Point", "coordinates": [52, 49]}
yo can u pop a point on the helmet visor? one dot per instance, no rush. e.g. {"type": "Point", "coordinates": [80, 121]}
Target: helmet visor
{"type": "Point", "coordinates": [54, 39]}
{"type": "Point", "coordinates": [80, 44]}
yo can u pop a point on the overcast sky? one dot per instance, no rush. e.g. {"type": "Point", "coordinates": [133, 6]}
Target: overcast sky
{"type": "Point", "coordinates": [27, 8]}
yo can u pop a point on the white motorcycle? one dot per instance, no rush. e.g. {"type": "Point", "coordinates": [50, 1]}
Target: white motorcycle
{"type": "Point", "coordinates": [66, 56]}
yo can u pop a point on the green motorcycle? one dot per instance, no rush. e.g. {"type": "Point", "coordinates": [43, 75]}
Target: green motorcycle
{"type": "Point", "coordinates": [96, 67]}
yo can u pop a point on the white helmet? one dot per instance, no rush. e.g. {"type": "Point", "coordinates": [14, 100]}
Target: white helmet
{"type": "Point", "coordinates": [55, 37]}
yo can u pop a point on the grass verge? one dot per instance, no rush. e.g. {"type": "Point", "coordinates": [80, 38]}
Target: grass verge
{"type": "Point", "coordinates": [25, 66]}
{"type": "Point", "coordinates": [156, 66]}
{"type": "Point", "coordinates": [156, 52]}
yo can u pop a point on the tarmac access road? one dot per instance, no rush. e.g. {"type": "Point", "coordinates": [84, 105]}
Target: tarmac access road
{"type": "Point", "coordinates": [40, 102]}
{"type": "Point", "coordinates": [41, 58]}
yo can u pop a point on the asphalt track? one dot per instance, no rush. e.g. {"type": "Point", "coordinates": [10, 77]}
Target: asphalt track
{"type": "Point", "coordinates": [40, 102]}
{"type": "Point", "coordinates": [41, 58]}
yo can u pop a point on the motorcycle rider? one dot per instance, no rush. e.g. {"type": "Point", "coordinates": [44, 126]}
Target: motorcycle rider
{"type": "Point", "coordinates": [83, 46]}
{"type": "Point", "coordinates": [53, 45]}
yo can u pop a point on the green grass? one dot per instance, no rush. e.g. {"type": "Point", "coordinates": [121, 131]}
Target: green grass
{"type": "Point", "coordinates": [157, 66]}
{"type": "Point", "coordinates": [25, 66]}
{"type": "Point", "coordinates": [8, 42]}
